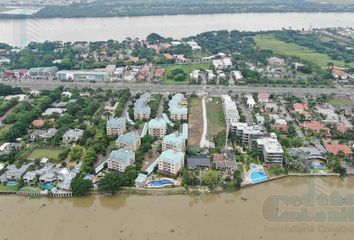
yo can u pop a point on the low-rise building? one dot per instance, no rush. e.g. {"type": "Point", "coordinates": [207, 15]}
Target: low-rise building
{"type": "Point", "coordinates": [6, 148]}
{"type": "Point", "coordinates": [336, 148]}
{"type": "Point", "coordinates": [224, 162]}
{"type": "Point", "coordinates": [271, 149]}
{"type": "Point", "coordinates": [199, 161]}
{"type": "Point", "coordinates": [99, 76]}
{"type": "Point", "coordinates": [178, 107]}
{"type": "Point", "coordinates": [157, 127]}
{"type": "Point", "coordinates": [316, 127]}
{"type": "Point", "coordinates": [116, 126]}
{"type": "Point", "coordinates": [12, 173]}
{"type": "Point", "coordinates": [43, 134]}
{"type": "Point", "coordinates": [174, 141]}
{"type": "Point", "coordinates": [111, 108]}
{"type": "Point", "coordinates": [170, 162]}
{"type": "Point", "coordinates": [263, 97]}
{"type": "Point", "coordinates": [72, 135]}
{"type": "Point", "coordinates": [250, 102]}
{"type": "Point", "coordinates": [51, 111]}
{"type": "Point", "coordinates": [120, 159]}
{"type": "Point", "coordinates": [130, 140]}
{"type": "Point", "coordinates": [43, 72]}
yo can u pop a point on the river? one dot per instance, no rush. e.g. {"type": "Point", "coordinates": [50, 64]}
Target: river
{"type": "Point", "coordinates": [20, 32]}
{"type": "Point", "coordinates": [247, 214]}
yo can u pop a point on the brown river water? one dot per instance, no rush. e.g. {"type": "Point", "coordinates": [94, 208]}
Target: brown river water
{"type": "Point", "coordinates": [252, 213]}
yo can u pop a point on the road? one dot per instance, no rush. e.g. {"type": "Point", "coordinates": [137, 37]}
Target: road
{"type": "Point", "coordinates": [158, 88]}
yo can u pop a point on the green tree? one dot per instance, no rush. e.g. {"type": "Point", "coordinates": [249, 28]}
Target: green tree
{"type": "Point", "coordinates": [211, 177]}
{"type": "Point", "coordinates": [80, 186]}
{"type": "Point", "coordinates": [111, 183]}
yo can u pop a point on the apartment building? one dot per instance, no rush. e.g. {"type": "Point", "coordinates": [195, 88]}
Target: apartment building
{"type": "Point", "coordinates": [247, 133]}
{"type": "Point", "coordinates": [130, 140]}
{"type": "Point", "coordinates": [178, 107]}
{"type": "Point", "coordinates": [120, 159]}
{"type": "Point", "coordinates": [271, 149]}
{"type": "Point", "coordinates": [157, 127]}
{"type": "Point", "coordinates": [230, 110]}
{"type": "Point", "coordinates": [170, 161]}
{"type": "Point", "coordinates": [141, 109]}
{"type": "Point", "coordinates": [174, 141]}
{"type": "Point", "coordinates": [116, 126]}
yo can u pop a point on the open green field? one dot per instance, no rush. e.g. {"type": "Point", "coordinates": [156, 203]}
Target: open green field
{"type": "Point", "coordinates": [291, 49]}
{"type": "Point", "coordinates": [215, 116]}
{"type": "Point", "coordinates": [51, 153]}
{"type": "Point", "coordinates": [187, 68]}
{"type": "Point", "coordinates": [338, 102]}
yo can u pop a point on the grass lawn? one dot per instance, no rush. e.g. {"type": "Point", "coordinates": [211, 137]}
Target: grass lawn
{"type": "Point", "coordinates": [7, 188]}
{"type": "Point", "coordinates": [337, 102]}
{"type": "Point", "coordinates": [30, 190]}
{"type": "Point", "coordinates": [215, 116]}
{"type": "Point", "coordinates": [292, 49]}
{"type": "Point", "coordinates": [187, 68]}
{"type": "Point", "coordinates": [195, 121]}
{"type": "Point", "coordinates": [51, 153]}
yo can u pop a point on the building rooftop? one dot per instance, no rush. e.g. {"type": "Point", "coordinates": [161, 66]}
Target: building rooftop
{"type": "Point", "coordinates": [171, 156]}
{"type": "Point", "coordinates": [121, 155]}
{"type": "Point", "coordinates": [128, 138]}
{"type": "Point", "coordinates": [157, 123]}
{"type": "Point", "coordinates": [174, 139]}
{"type": "Point", "coordinates": [201, 160]}
{"type": "Point", "coordinates": [175, 104]}
{"type": "Point", "coordinates": [270, 145]}
{"type": "Point", "coordinates": [335, 148]}
{"type": "Point", "coordinates": [116, 123]}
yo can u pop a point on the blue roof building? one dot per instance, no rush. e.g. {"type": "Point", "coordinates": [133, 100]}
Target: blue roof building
{"type": "Point", "coordinates": [116, 126]}
{"type": "Point", "coordinates": [174, 141]}
{"type": "Point", "coordinates": [130, 140]}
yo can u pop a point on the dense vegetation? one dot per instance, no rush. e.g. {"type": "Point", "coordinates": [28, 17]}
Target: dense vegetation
{"type": "Point", "coordinates": [108, 8]}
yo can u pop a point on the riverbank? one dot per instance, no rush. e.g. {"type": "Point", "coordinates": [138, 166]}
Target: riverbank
{"type": "Point", "coordinates": [162, 191]}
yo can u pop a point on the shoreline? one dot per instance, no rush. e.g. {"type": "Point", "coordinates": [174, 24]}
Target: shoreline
{"type": "Point", "coordinates": [34, 16]}
{"type": "Point", "coordinates": [166, 191]}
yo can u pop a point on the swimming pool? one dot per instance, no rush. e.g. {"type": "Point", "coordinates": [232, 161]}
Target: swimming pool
{"type": "Point", "coordinates": [11, 184]}
{"type": "Point", "coordinates": [47, 186]}
{"type": "Point", "coordinates": [317, 165]}
{"type": "Point", "coordinates": [160, 183]}
{"type": "Point", "coordinates": [258, 175]}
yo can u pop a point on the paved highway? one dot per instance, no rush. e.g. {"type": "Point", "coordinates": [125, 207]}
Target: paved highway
{"type": "Point", "coordinates": [157, 88]}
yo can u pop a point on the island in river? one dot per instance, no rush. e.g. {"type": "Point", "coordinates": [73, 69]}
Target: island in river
{"type": "Point", "coordinates": [298, 207]}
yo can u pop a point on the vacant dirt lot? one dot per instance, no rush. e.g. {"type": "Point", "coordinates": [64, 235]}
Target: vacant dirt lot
{"type": "Point", "coordinates": [195, 121]}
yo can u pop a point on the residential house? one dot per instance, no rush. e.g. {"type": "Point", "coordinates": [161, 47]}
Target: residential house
{"type": "Point", "coordinates": [336, 148]}
{"type": "Point", "coordinates": [316, 127]}
{"type": "Point", "coordinates": [120, 159]}
{"type": "Point", "coordinates": [250, 102]}
{"type": "Point", "coordinates": [6, 148]}
{"type": "Point", "coordinates": [224, 162]}
{"type": "Point", "coordinates": [111, 109]}
{"type": "Point", "coordinates": [43, 134]}
{"type": "Point", "coordinates": [130, 141]}
{"type": "Point", "coordinates": [263, 97]}
{"type": "Point", "coordinates": [199, 161]}
{"type": "Point", "coordinates": [72, 135]}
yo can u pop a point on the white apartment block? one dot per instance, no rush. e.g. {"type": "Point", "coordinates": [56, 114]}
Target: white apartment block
{"type": "Point", "coordinates": [271, 149]}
